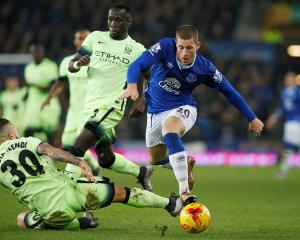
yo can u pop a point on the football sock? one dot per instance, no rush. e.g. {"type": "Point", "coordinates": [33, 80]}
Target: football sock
{"type": "Point", "coordinates": [142, 198]}
{"type": "Point", "coordinates": [284, 165]}
{"type": "Point", "coordinates": [75, 171]}
{"type": "Point", "coordinates": [178, 160]}
{"type": "Point", "coordinates": [92, 160]}
{"type": "Point", "coordinates": [123, 165]}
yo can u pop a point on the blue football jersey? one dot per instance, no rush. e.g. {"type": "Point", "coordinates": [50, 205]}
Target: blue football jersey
{"type": "Point", "coordinates": [171, 83]}
{"type": "Point", "coordinates": [290, 103]}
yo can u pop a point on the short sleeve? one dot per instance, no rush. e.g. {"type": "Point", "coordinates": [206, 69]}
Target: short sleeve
{"type": "Point", "coordinates": [87, 45]}
{"type": "Point", "coordinates": [33, 144]}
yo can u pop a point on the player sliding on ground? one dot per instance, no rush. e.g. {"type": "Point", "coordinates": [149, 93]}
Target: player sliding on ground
{"type": "Point", "coordinates": [52, 196]}
{"type": "Point", "coordinates": [177, 68]}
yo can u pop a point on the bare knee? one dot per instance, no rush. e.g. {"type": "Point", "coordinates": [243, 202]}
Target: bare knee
{"type": "Point", "coordinates": [173, 125]}
{"type": "Point", "coordinates": [106, 156]}
{"type": "Point", "coordinates": [20, 220]}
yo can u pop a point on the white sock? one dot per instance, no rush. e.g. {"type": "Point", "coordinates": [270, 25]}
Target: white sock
{"type": "Point", "coordinates": [179, 164]}
{"type": "Point", "coordinates": [284, 164]}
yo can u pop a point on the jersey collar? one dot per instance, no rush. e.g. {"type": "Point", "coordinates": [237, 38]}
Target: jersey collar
{"type": "Point", "coordinates": [185, 66]}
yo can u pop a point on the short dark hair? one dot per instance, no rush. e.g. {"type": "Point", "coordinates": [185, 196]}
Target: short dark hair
{"type": "Point", "coordinates": [187, 32]}
{"type": "Point", "coordinates": [121, 6]}
{"type": "Point", "coordinates": [3, 123]}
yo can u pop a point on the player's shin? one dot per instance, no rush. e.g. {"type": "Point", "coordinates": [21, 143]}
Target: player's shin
{"type": "Point", "coordinates": [123, 165]}
{"type": "Point", "coordinates": [141, 198]}
{"type": "Point", "coordinates": [75, 171]}
{"type": "Point", "coordinates": [91, 158]}
{"type": "Point", "coordinates": [178, 160]}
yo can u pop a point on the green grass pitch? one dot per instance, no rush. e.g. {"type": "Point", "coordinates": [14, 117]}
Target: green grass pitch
{"type": "Point", "coordinates": [245, 203]}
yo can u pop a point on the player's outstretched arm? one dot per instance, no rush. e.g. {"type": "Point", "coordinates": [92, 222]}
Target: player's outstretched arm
{"type": "Point", "coordinates": [273, 119]}
{"type": "Point", "coordinates": [63, 156]}
{"type": "Point", "coordinates": [78, 61]}
{"type": "Point", "coordinates": [55, 90]}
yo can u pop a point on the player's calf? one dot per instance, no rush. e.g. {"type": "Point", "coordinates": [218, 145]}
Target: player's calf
{"type": "Point", "coordinates": [191, 162]}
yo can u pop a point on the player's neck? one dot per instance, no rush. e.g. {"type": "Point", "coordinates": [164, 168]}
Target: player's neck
{"type": "Point", "coordinates": [119, 37]}
{"type": "Point", "coordinates": [37, 62]}
{"type": "Point", "coordinates": [3, 139]}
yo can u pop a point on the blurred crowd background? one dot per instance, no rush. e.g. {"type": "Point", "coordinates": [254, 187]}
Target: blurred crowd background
{"type": "Point", "coordinates": [247, 41]}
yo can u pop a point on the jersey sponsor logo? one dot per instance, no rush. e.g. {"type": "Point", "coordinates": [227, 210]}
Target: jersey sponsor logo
{"type": "Point", "coordinates": [128, 49]}
{"type": "Point", "coordinates": [217, 77]}
{"type": "Point", "coordinates": [154, 49]}
{"type": "Point", "coordinates": [171, 85]}
{"type": "Point", "coordinates": [191, 78]}
{"type": "Point", "coordinates": [111, 58]}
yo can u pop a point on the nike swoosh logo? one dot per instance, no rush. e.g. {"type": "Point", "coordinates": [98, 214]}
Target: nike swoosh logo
{"type": "Point", "coordinates": [100, 42]}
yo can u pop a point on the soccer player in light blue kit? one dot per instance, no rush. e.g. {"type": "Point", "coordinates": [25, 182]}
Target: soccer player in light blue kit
{"type": "Point", "coordinates": [52, 196]}
{"type": "Point", "coordinates": [177, 69]}
{"type": "Point", "coordinates": [290, 111]}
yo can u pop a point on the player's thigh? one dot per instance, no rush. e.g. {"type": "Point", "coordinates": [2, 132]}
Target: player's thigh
{"type": "Point", "coordinates": [102, 120]}
{"type": "Point", "coordinates": [96, 195]}
{"type": "Point", "coordinates": [180, 120]}
{"type": "Point", "coordinates": [157, 153]}
{"type": "Point", "coordinates": [291, 134]}
{"type": "Point", "coordinates": [153, 134]}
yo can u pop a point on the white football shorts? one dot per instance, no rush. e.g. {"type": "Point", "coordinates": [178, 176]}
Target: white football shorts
{"type": "Point", "coordinates": [187, 113]}
{"type": "Point", "coordinates": [291, 132]}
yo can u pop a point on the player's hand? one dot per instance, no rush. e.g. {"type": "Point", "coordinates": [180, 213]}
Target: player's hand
{"type": "Point", "coordinates": [86, 171]}
{"type": "Point", "coordinates": [256, 126]}
{"type": "Point", "coordinates": [130, 92]}
{"type": "Point", "coordinates": [270, 122]}
{"type": "Point", "coordinates": [45, 103]}
{"type": "Point", "coordinates": [83, 61]}
{"type": "Point", "coordinates": [137, 108]}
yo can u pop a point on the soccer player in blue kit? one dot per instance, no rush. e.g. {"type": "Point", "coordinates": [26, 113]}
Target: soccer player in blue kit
{"type": "Point", "coordinates": [289, 110]}
{"type": "Point", "coordinates": [177, 68]}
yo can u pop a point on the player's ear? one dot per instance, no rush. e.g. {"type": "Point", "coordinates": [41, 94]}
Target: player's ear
{"type": "Point", "coordinates": [10, 136]}
{"type": "Point", "coordinates": [130, 21]}
{"type": "Point", "coordinates": [198, 45]}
